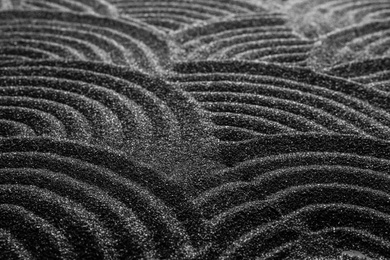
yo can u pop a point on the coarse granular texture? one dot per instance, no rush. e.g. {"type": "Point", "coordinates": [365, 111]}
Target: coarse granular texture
{"type": "Point", "coordinates": [195, 129]}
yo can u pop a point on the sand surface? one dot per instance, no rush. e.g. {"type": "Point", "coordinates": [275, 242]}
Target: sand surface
{"type": "Point", "coordinates": [194, 129]}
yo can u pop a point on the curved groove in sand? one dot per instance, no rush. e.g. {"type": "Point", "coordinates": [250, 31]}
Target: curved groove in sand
{"type": "Point", "coordinates": [354, 43]}
{"type": "Point", "coordinates": [95, 103]}
{"type": "Point", "coordinates": [174, 15]}
{"type": "Point", "coordinates": [86, 37]}
{"type": "Point", "coordinates": [256, 37]}
{"type": "Point", "coordinates": [81, 201]}
{"type": "Point", "coordinates": [298, 187]}
{"type": "Point", "coordinates": [237, 92]}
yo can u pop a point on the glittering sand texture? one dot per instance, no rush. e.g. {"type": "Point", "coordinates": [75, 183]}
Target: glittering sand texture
{"type": "Point", "coordinates": [194, 129]}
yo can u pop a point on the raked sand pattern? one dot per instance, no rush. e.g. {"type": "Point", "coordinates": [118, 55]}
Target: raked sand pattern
{"type": "Point", "coordinates": [194, 129]}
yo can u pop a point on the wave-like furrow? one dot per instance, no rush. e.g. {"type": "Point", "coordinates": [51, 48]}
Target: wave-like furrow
{"type": "Point", "coordinates": [26, 53]}
{"type": "Point", "coordinates": [322, 231]}
{"type": "Point", "coordinates": [372, 72]}
{"type": "Point", "coordinates": [229, 231]}
{"type": "Point", "coordinates": [174, 14]}
{"type": "Point", "coordinates": [233, 153]}
{"type": "Point", "coordinates": [247, 99]}
{"type": "Point", "coordinates": [317, 187]}
{"type": "Point", "coordinates": [12, 128]}
{"type": "Point", "coordinates": [101, 7]}
{"type": "Point", "coordinates": [354, 43]}
{"type": "Point", "coordinates": [318, 17]}
{"type": "Point", "coordinates": [64, 35]}
{"type": "Point", "coordinates": [253, 37]}
{"type": "Point", "coordinates": [65, 200]}
{"type": "Point", "coordinates": [260, 177]}
{"type": "Point", "coordinates": [107, 105]}
{"type": "Point", "coordinates": [95, 103]}
{"type": "Point", "coordinates": [228, 24]}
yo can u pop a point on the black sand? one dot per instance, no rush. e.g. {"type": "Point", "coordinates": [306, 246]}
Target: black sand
{"type": "Point", "coordinates": [194, 129]}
